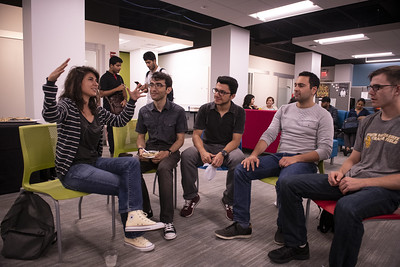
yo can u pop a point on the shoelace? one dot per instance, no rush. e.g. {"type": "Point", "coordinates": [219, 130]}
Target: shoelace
{"type": "Point", "coordinates": [187, 204]}
{"type": "Point", "coordinates": [169, 227]}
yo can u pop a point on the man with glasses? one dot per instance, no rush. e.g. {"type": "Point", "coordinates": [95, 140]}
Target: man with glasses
{"type": "Point", "coordinates": [216, 137]}
{"type": "Point", "coordinates": [165, 123]}
{"type": "Point", "coordinates": [306, 138]}
{"type": "Point", "coordinates": [367, 184]}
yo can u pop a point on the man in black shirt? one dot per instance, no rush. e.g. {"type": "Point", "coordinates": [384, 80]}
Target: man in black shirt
{"type": "Point", "coordinates": [112, 89]}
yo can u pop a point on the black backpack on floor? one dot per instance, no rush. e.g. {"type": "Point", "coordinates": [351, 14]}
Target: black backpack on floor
{"type": "Point", "coordinates": [27, 229]}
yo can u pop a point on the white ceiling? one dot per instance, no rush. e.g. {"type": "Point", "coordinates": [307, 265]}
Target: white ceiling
{"type": "Point", "coordinates": [383, 38]}
{"type": "Point", "coordinates": [130, 40]}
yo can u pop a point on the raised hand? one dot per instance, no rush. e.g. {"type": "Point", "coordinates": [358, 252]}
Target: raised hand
{"type": "Point", "coordinates": [58, 71]}
{"type": "Point", "coordinates": [137, 93]}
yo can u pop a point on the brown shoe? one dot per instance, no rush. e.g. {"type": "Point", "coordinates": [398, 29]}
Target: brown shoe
{"type": "Point", "coordinates": [189, 206]}
{"type": "Point", "coordinates": [228, 209]}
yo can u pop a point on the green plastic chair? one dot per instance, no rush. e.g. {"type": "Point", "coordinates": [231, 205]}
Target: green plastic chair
{"type": "Point", "coordinates": [125, 141]}
{"type": "Point", "coordinates": [273, 179]}
{"type": "Point", "coordinates": [38, 144]}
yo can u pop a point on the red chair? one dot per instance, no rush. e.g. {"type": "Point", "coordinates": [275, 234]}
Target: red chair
{"type": "Point", "coordinates": [329, 206]}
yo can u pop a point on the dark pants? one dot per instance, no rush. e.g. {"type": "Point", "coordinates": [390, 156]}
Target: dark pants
{"type": "Point", "coordinates": [165, 185]}
{"type": "Point", "coordinates": [350, 211]}
{"type": "Point", "coordinates": [110, 138]}
{"type": "Point", "coordinates": [349, 140]}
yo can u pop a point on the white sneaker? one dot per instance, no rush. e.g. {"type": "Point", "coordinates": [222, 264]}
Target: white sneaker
{"type": "Point", "coordinates": [169, 231]}
{"type": "Point", "coordinates": [139, 243]}
{"type": "Point", "coordinates": [137, 221]}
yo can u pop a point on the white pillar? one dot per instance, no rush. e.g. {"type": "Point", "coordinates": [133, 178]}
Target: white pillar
{"type": "Point", "coordinates": [343, 73]}
{"type": "Point", "coordinates": [230, 56]}
{"type": "Point", "coordinates": [307, 61]}
{"type": "Point", "coordinates": [54, 30]}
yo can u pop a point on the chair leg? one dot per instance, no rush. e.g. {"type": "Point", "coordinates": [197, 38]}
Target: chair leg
{"type": "Point", "coordinates": [80, 208]}
{"type": "Point", "coordinates": [108, 199]}
{"type": "Point", "coordinates": [175, 185]}
{"type": "Point", "coordinates": [307, 210]}
{"type": "Point", "coordinates": [154, 184]}
{"type": "Point", "coordinates": [113, 215]}
{"type": "Point", "coordinates": [58, 227]}
{"type": "Point", "coordinates": [332, 161]}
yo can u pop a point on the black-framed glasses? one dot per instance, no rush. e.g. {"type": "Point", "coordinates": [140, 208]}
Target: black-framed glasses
{"type": "Point", "coordinates": [216, 91]}
{"type": "Point", "coordinates": [157, 85]}
{"type": "Point", "coordinates": [377, 87]}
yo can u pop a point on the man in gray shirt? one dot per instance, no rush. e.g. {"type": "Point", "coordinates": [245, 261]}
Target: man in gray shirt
{"type": "Point", "coordinates": [367, 184]}
{"type": "Point", "coordinates": [306, 138]}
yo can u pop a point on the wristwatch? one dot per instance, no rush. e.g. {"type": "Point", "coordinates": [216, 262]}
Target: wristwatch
{"type": "Point", "coordinates": [224, 153]}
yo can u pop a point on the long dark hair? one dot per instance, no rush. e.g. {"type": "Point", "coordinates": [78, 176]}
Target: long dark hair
{"type": "Point", "coordinates": [73, 87]}
{"type": "Point", "coordinates": [247, 100]}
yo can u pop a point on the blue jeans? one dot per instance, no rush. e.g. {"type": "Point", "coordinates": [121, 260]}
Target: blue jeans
{"type": "Point", "coordinates": [269, 166]}
{"type": "Point", "coordinates": [350, 211]}
{"type": "Point", "coordinates": [110, 176]}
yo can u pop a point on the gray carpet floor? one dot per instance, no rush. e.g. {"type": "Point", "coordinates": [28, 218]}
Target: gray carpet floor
{"type": "Point", "coordinates": [86, 240]}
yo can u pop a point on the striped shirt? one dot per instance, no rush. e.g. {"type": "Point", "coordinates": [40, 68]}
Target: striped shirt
{"type": "Point", "coordinates": [66, 114]}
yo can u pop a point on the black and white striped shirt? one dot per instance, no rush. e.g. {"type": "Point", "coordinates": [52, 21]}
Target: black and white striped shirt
{"type": "Point", "coordinates": [66, 114]}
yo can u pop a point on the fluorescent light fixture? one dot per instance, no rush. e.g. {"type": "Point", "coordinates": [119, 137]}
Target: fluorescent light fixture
{"type": "Point", "coordinates": [291, 10]}
{"type": "Point", "coordinates": [11, 35]}
{"type": "Point", "coordinates": [123, 41]}
{"type": "Point", "coordinates": [381, 60]}
{"type": "Point", "coordinates": [342, 39]}
{"type": "Point", "coordinates": [385, 54]}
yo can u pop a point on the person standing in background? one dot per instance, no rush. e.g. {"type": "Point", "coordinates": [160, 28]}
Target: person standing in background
{"type": "Point", "coordinates": [112, 89]}
{"type": "Point", "coordinates": [151, 62]}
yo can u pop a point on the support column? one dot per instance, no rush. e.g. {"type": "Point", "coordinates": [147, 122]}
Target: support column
{"type": "Point", "coordinates": [230, 56]}
{"type": "Point", "coordinates": [307, 61]}
{"type": "Point", "coordinates": [54, 30]}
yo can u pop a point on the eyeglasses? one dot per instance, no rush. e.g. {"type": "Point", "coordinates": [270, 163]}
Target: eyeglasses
{"type": "Point", "coordinates": [216, 91]}
{"type": "Point", "coordinates": [157, 85]}
{"type": "Point", "coordinates": [377, 87]}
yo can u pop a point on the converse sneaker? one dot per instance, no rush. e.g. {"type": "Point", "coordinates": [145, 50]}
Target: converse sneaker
{"type": "Point", "coordinates": [137, 221]}
{"type": "Point", "coordinates": [286, 254]}
{"type": "Point", "coordinates": [228, 210]}
{"type": "Point", "coordinates": [234, 231]}
{"type": "Point", "coordinates": [139, 243]}
{"type": "Point", "coordinates": [189, 206]}
{"type": "Point", "coordinates": [169, 231]}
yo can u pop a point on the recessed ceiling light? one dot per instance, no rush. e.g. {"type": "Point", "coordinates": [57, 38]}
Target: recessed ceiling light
{"type": "Point", "coordinates": [385, 54]}
{"type": "Point", "coordinates": [342, 39]}
{"type": "Point", "coordinates": [291, 10]}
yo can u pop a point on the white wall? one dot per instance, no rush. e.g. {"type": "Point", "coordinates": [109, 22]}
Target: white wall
{"type": "Point", "coordinates": [190, 75]}
{"type": "Point", "coordinates": [265, 71]}
{"type": "Point", "coordinates": [12, 100]}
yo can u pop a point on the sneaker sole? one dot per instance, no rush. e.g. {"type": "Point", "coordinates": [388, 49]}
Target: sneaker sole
{"type": "Point", "coordinates": [169, 238]}
{"type": "Point", "coordinates": [146, 249]}
{"type": "Point", "coordinates": [279, 243]}
{"type": "Point", "coordinates": [143, 228]}
{"type": "Point", "coordinates": [226, 216]}
{"type": "Point", "coordinates": [297, 257]}
{"type": "Point", "coordinates": [187, 216]}
{"type": "Point", "coordinates": [232, 237]}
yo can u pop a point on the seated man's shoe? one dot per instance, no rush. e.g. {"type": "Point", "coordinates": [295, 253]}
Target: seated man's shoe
{"type": "Point", "coordinates": [189, 206]}
{"type": "Point", "coordinates": [234, 231]}
{"type": "Point", "coordinates": [228, 209]}
{"type": "Point", "coordinates": [140, 243]}
{"type": "Point", "coordinates": [137, 221]}
{"type": "Point", "coordinates": [169, 231]}
{"type": "Point", "coordinates": [149, 214]}
{"type": "Point", "coordinates": [278, 238]}
{"type": "Point", "coordinates": [286, 254]}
